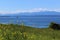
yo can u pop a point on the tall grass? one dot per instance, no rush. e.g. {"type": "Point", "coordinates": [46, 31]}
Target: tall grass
{"type": "Point", "coordinates": [20, 32]}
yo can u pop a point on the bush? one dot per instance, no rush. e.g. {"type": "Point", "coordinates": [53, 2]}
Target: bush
{"type": "Point", "coordinates": [54, 26]}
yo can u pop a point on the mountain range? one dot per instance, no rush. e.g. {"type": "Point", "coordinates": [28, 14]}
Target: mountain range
{"type": "Point", "coordinates": [31, 13]}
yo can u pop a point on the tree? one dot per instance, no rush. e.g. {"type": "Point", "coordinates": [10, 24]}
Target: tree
{"type": "Point", "coordinates": [54, 26]}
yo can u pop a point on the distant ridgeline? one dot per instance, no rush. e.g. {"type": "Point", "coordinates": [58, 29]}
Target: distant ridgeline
{"type": "Point", "coordinates": [54, 26]}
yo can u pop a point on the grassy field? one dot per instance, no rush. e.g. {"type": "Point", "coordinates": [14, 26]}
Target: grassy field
{"type": "Point", "coordinates": [21, 32]}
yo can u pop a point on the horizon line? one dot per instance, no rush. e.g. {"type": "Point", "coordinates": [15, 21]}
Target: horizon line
{"type": "Point", "coordinates": [29, 11]}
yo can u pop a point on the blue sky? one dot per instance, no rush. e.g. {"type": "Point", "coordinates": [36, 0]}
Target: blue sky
{"type": "Point", "coordinates": [18, 5]}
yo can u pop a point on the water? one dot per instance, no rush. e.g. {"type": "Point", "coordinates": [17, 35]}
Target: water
{"type": "Point", "coordinates": [41, 21]}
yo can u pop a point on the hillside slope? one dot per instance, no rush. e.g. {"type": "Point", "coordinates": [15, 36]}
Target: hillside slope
{"type": "Point", "coordinates": [21, 32]}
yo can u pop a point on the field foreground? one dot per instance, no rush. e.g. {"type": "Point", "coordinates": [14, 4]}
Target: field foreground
{"type": "Point", "coordinates": [21, 32]}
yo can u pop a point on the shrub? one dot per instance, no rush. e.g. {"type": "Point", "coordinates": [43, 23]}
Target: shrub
{"type": "Point", "coordinates": [54, 26]}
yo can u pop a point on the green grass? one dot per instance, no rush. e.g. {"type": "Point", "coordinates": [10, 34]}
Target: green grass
{"type": "Point", "coordinates": [20, 32]}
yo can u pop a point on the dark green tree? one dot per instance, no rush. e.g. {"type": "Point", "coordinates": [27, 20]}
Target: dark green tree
{"type": "Point", "coordinates": [54, 26]}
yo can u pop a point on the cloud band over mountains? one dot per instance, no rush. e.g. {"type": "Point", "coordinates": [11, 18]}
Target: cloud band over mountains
{"type": "Point", "coordinates": [29, 11]}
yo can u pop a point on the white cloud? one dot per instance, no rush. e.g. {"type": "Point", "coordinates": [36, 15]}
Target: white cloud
{"type": "Point", "coordinates": [30, 10]}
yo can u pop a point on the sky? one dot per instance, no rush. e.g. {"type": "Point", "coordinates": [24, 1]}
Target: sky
{"type": "Point", "coordinates": [12, 6]}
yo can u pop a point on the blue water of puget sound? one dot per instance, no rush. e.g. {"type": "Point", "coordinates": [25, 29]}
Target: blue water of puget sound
{"type": "Point", "coordinates": [33, 21]}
